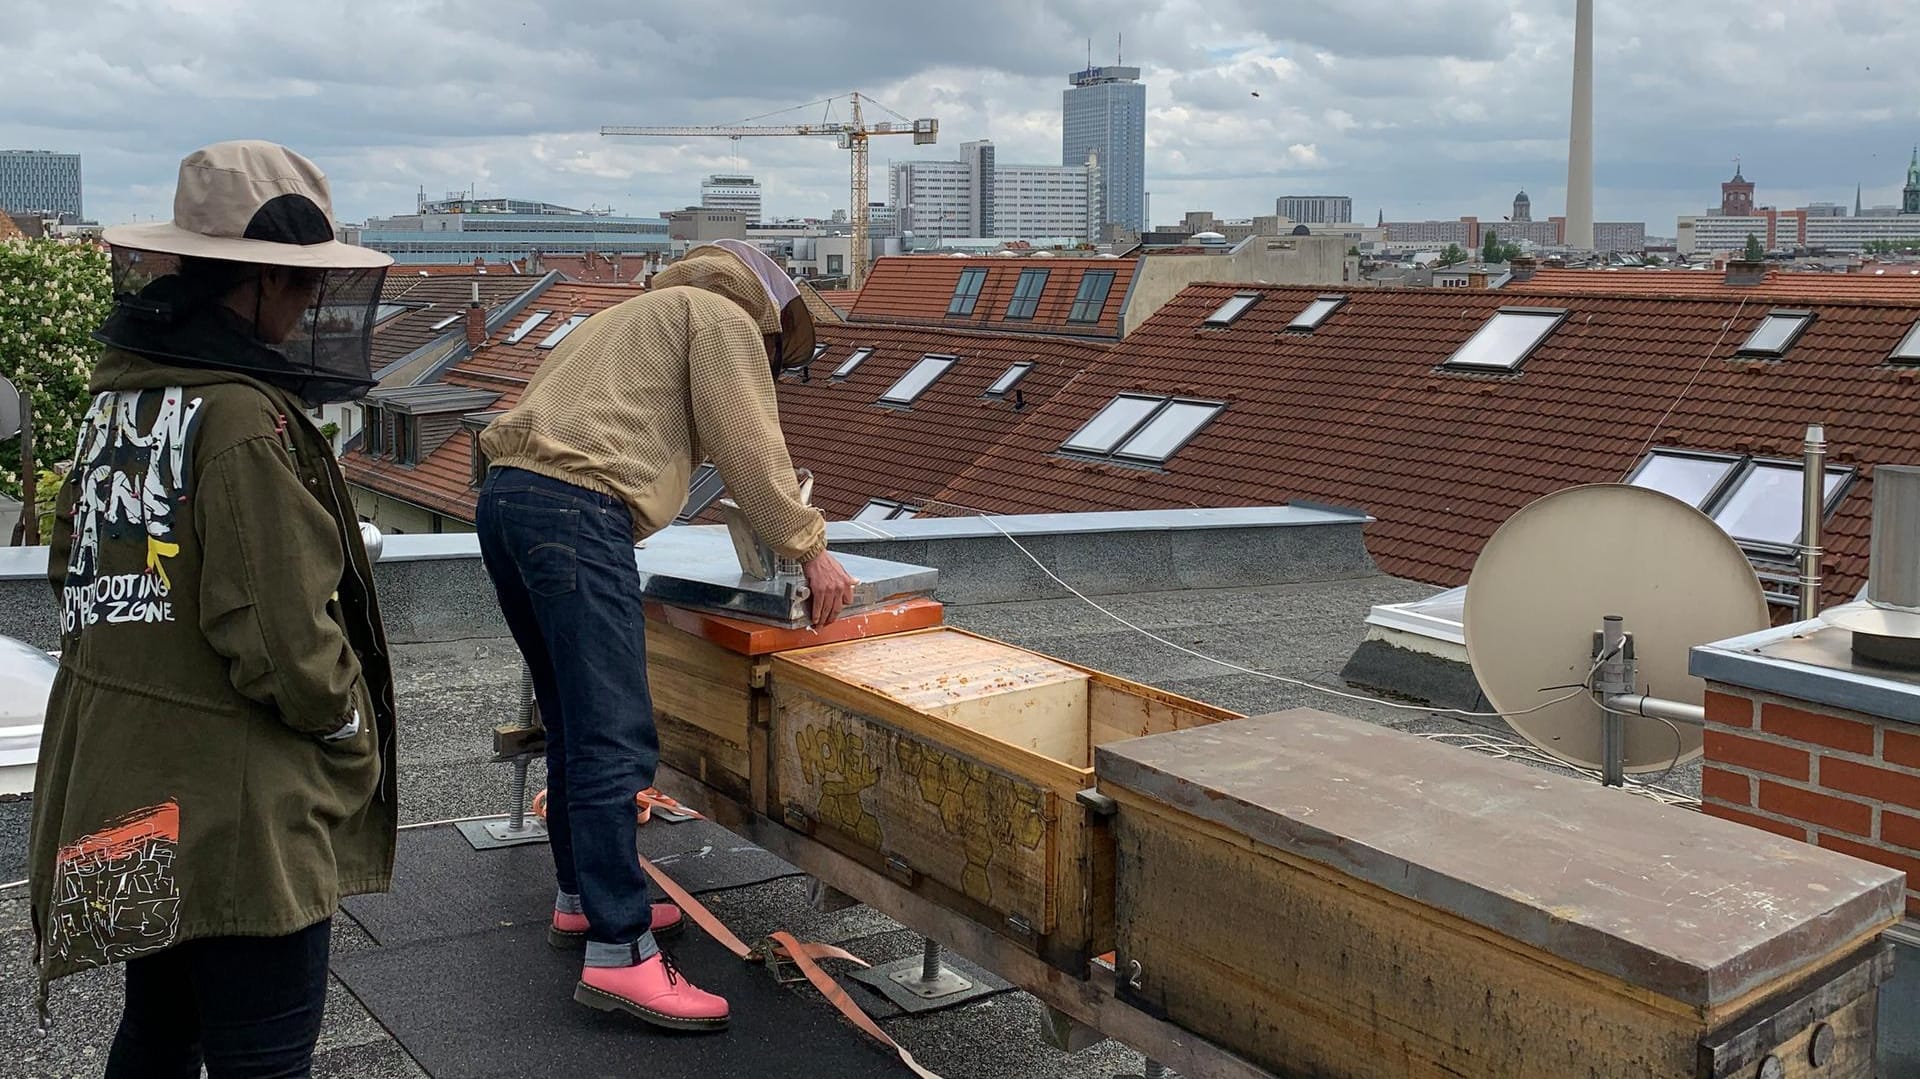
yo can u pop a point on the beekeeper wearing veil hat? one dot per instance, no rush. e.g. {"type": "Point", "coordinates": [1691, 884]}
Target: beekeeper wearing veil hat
{"type": "Point", "coordinates": [217, 769]}
{"type": "Point", "coordinates": [596, 456]}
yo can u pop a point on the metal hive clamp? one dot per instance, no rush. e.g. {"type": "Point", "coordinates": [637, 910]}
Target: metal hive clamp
{"type": "Point", "coordinates": [689, 568]}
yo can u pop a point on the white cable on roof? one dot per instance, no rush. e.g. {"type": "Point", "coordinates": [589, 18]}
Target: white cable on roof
{"type": "Point", "coordinates": [1688, 388]}
{"type": "Point", "coordinates": [1329, 691]}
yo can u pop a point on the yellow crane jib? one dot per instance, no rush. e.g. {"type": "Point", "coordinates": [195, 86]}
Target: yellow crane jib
{"type": "Point", "coordinates": [852, 134]}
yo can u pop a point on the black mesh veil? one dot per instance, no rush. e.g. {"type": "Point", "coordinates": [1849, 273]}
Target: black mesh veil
{"type": "Point", "coordinates": [167, 306]}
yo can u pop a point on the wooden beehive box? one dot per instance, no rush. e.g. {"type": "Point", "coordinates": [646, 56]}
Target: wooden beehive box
{"type": "Point", "coordinates": [1326, 897]}
{"type": "Point", "coordinates": [708, 676]}
{"type": "Point", "coordinates": [953, 763]}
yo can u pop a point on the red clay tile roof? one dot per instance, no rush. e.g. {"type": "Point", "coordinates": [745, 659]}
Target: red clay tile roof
{"type": "Point", "coordinates": [416, 269]}
{"type": "Point", "coordinates": [593, 268]}
{"type": "Point", "coordinates": [1359, 414]}
{"type": "Point", "coordinates": [857, 449]}
{"type": "Point", "coordinates": [860, 450]}
{"type": "Point", "coordinates": [917, 289]}
{"type": "Point", "coordinates": [441, 481]}
{"type": "Point", "coordinates": [431, 300]}
{"type": "Point", "coordinates": [1897, 284]}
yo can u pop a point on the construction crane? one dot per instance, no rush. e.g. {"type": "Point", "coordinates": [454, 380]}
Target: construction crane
{"type": "Point", "coordinates": [853, 135]}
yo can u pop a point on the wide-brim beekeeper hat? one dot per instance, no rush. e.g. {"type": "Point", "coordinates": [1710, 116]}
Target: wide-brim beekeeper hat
{"type": "Point", "coordinates": [250, 201]}
{"type": "Point", "coordinates": [238, 205]}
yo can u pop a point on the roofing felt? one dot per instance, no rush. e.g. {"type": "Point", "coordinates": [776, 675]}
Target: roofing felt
{"type": "Point", "coordinates": [919, 289]}
{"type": "Point", "coordinates": [1360, 413]}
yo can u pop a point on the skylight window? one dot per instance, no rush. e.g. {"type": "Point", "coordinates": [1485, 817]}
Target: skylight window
{"type": "Point", "coordinates": [1507, 339]}
{"type": "Point", "coordinates": [848, 365]}
{"type": "Point", "coordinates": [818, 351]}
{"type": "Point", "coordinates": [1149, 429]}
{"type": "Point", "coordinates": [385, 311]}
{"type": "Point", "coordinates": [1092, 297]}
{"type": "Point", "coordinates": [561, 333]}
{"type": "Point", "coordinates": [1691, 478]}
{"type": "Point", "coordinates": [528, 327]}
{"type": "Point", "coordinates": [445, 322]}
{"type": "Point", "coordinates": [1909, 350]}
{"type": "Point", "coordinates": [1162, 436]}
{"type": "Point", "coordinates": [1111, 424]}
{"type": "Point", "coordinates": [1006, 382]}
{"type": "Point", "coordinates": [967, 292]}
{"type": "Point", "coordinates": [916, 380]}
{"type": "Point", "coordinates": [882, 509]}
{"type": "Point", "coordinates": [1233, 309]}
{"type": "Point", "coordinates": [1776, 333]}
{"type": "Point", "coordinates": [1316, 312]}
{"type": "Point", "coordinates": [1026, 294]}
{"type": "Point", "coordinates": [1764, 505]}
{"type": "Point", "coordinates": [1757, 502]}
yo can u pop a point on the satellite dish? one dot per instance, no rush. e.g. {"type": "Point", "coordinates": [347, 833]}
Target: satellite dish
{"type": "Point", "coordinates": [1556, 569]}
{"type": "Point", "coordinates": [9, 409]}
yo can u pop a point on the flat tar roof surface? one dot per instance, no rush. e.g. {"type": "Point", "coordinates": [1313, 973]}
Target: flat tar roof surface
{"type": "Point", "coordinates": [451, 693]}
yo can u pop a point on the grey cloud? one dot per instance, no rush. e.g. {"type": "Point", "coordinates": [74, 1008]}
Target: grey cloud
{"type": "Point", "coordinates": [1428, 108]}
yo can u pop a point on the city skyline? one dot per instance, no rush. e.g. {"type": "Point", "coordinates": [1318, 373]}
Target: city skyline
{"type": "Point", "coordinates": [1440, 111]}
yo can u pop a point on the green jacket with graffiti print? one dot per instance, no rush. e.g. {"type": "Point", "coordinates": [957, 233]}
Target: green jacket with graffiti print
{"type": "Point", "coordinates": [218, 758]}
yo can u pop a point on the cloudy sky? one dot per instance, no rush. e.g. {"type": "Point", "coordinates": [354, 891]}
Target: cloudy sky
{"type": "Point", "coordinates": [1423, 108]}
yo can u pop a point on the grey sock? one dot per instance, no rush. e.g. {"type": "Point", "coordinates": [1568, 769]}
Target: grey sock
{"type": "Point", "coordinates": [622, 955]}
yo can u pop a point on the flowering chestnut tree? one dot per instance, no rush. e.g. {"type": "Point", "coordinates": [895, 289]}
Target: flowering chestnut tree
{"type": "Point", "coordinates": [53, 295]}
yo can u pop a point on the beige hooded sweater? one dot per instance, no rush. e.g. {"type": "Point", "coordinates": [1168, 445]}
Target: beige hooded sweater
{"type": "Point", "coordinates": [641, 392]}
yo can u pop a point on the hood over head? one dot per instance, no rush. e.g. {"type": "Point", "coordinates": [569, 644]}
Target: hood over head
{"type": "Point", "coordinates": [744, 274]}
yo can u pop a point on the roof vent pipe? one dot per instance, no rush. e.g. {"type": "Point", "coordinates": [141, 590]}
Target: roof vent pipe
{"type": "Point", "coordinates": [1886, 627]}
{"type": "Point", "coordinates": [1813, 503]}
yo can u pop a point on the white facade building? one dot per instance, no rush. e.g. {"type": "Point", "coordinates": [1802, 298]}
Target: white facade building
{"type": "Point", "coordinates": [1853, 234]}
{"type": "Point", "coordinates": [977, 197]}
{"type": "Point", "coordinates": [1709, 233]}
{"type": "Point", "coordinates": [735, 192]}
{"type": "Point", "coordinates": [1315, 209]}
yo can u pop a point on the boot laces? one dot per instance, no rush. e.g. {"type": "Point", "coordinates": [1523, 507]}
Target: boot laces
{"type": "Point", "coordinates": [673, 969]}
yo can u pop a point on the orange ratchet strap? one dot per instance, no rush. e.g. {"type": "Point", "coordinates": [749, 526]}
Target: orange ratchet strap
{"type": "Point", "coordinates": [783, 948]}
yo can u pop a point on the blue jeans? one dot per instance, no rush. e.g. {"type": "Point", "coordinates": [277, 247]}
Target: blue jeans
{"type": "Point", "coordinates": [561, 559]}
{"type": "Point", "coordinates": [246, 1007]}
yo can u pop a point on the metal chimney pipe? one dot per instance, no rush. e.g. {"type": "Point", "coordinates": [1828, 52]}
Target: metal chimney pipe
{"type": "Point", "coordinates": [1813, 504]}
{"type": "Point", "coordinates": [1893, 579]}
{"type": "Point", "coordinates": [1579, 234]}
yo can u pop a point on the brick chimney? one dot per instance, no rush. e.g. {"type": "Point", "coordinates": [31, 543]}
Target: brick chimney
{"type": "Point", "coordinates": [1523, 267]}
{"type": "Point", "coordinates": [1742, 273]}
{"type": "Point", "coordinates": [1813, 729]}
{"type": "Point", "coordinates": [476, 320]}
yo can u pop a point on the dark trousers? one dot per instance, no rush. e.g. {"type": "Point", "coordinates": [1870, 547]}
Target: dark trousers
{"type": "Point", "coordinates": [247, 1007]}
{"type": "Point", "coordinates": [561, 559]}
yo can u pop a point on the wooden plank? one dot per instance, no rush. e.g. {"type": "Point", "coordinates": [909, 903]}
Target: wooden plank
{"type": "Point", "coordinates": [968, 744]}
{"type": "Point", "coordinates": [1091, 1000]}
{"type": "Point", "coordinates": [699, 683]}
{"type": "Point", "coordinates": [756, 639]}
{"type": "Point", "coordinates": [979, 830]}
{"type": "Point", "coordinates": [1698, 910]}
{"type": "Point", "coordinates": [936, 671]}
{"type": "Point", "coordinates": [1305, 973]}
{"type": "Point", "coordinates": [1118, 711]}
{"type": "Point", "coordinates": [1785, 1026]}
{"type": "Point", "coordinates": [1049, 720]}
